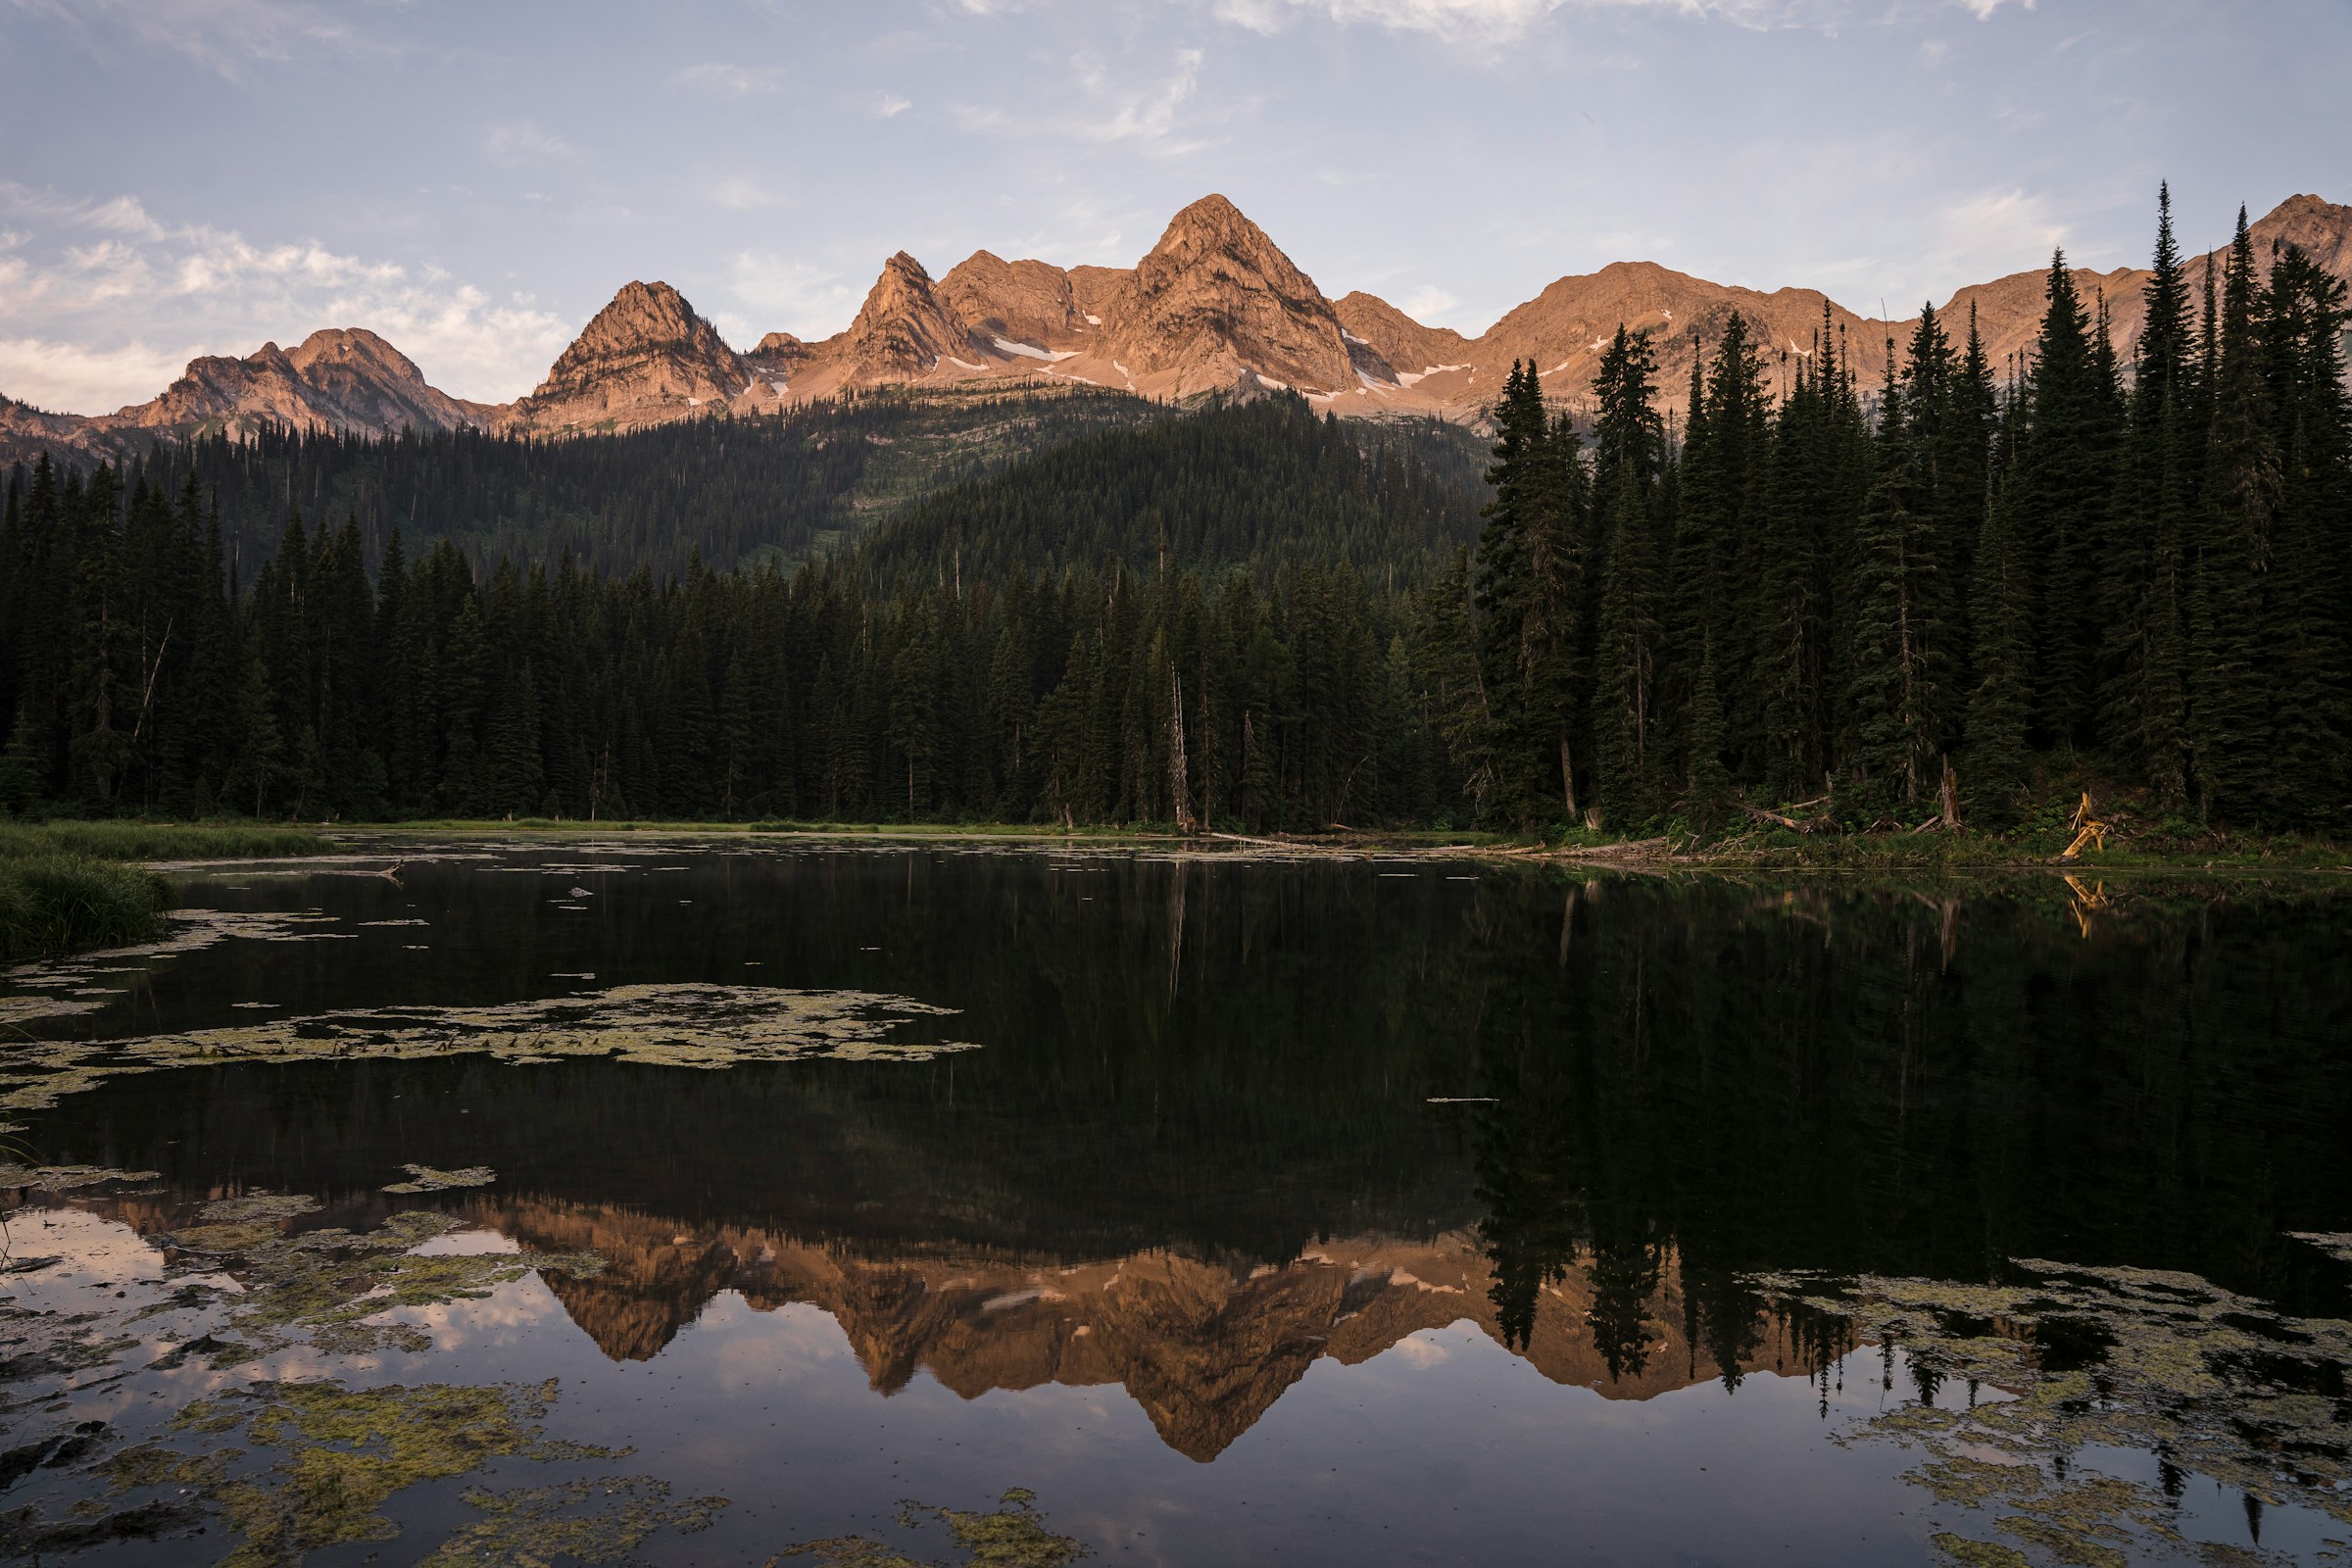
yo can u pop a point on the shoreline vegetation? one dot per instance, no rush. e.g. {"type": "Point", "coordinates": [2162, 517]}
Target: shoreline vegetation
{"type": "Point", "coordinates": [1779, 848]}
{"type": "Point", "coordinates": [70, 886]}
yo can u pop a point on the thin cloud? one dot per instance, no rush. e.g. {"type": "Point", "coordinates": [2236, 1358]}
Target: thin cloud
{"type": "Point", "coordinates": [799, 297]}
{"type": "Point", "coordinates": [732, 81]}
{"type": "Point", "coordinates": [225, 36]}
{"type": "Point", "coordinates": [1145, 115]}
{"type": "Point", "coordinates": [521, 144]}
{"type": "Point", "coordinates": [103, 304]}
{"type": "Point", "coordinates": [68, 377]}
{"type": "Point", "coordinates": [1429, 305]}
{"type": "Point", "coordinates": [1494, 22]}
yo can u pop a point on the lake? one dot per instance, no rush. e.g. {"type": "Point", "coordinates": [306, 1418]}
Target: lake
{"type": "Point", "coordinates": [631, 1199]}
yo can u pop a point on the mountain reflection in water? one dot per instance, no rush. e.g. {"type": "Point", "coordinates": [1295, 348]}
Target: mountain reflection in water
{"type": "Point", "coordinates": [1227, 1120]}
{"type": "Point", "coordinates": [1204, 1350]}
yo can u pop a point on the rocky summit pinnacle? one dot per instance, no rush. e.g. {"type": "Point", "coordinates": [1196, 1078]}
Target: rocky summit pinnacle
{"type": "Point", "coordinates": [904, 331]}
{"type": "Point", "coordinates": [643, 358]}
{"type": "Point", "coordinates": [1217, 302]}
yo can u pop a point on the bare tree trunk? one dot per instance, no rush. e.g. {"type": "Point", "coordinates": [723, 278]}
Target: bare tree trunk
{"type": "Point", "coordinates": [1180, 781]}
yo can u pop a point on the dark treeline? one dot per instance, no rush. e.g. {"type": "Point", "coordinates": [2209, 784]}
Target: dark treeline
{"type": "Point", "coordinates": [1823, 602]}
{"type": "Point", "coordinates": [1254, 617]}
{"type": "Point", "coordinates": [142, 680]}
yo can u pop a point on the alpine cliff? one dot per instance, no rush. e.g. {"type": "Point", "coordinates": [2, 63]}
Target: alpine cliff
{"type": "Point", "coordinates": [1214, 306]}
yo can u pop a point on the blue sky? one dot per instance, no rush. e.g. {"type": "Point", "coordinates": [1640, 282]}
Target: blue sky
{"type": "Point", "coordinates": [473, 178]}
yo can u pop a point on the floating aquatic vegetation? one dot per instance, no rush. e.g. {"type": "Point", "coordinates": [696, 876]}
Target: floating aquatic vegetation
{"type": "Point", "coordinates": [21, 1010]}
{"type": "Point", "coordinates": [348, 1451]}
{"type": "Point", "coordinates": [425, 1179]}
{"type": "Point", "coordinates": [2137, 1359]}
{"type": "Point", "coordinates": [707, 1026]}
{"type": "Point", "coordinates": [532, 1526]}
{"type": "Point", "coordinates": [67, 1178]}
{"type": "Point", "coordinates": [1013, 1535]}
{"type": "Point", "coordinates": [293, 1467]}
{"type": "Point", "coordinates": [240, 1224]}
{"type": "Point", "coordinates": [2336, 1243]}
{"type": "Point", "coordinates": [188, 930]}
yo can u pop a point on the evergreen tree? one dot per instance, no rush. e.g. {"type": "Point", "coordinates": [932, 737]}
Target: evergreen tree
{"type": "Point", "coordinates": [1707, 783]}
{"type": "Point", "coordinates": [2001, 707]}
{"type": "Point", "coordinates": [2144, 694]}
{"type": "Point", "coordinates": [2065, 485]}
{"type": "Point", "coordinates": [1896, 694]}
{"type": "Point", "coordinates": [2230, 713]}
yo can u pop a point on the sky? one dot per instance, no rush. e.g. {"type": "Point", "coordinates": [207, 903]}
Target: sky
{"type": "Point", "coordinates": [473, 180]}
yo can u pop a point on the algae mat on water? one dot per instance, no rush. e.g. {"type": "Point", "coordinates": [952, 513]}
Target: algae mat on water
{"type": "Point", "coordinates": [1014, 1535]}
{"type": "Point", "coordinates": [708, 1026]}
{"type": "Point", "coordinates": [288, 1460]}
{"type": "Point", "coordinates": [2071, 1361]}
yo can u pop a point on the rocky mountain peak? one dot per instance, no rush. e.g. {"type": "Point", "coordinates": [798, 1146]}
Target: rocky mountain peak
{"type": "Point", "coordinates": [644, 358]}
{"type": "Point", "coordinates": [1216, 304]}
{"type": "Point", "coordinates": [2322, 228]}
{"type": "Point", "coordinates": [779, 349]}
{"type": "Point", "coordinates": [903, 329]}
{"type": "Point", "coordinates": [1022, 302]}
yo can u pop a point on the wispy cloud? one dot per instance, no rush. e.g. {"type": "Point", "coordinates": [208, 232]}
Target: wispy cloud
{"type": "Point", "coordinates": [102, 304]}
{"type": "Point", "coordinates": [1493, 22]}
{"type": "Point", "coordinates": [1144, 114]}
{"type": "Point", "coordinates": [889, 106]}
{"type": "Point", "coordinates": [523, 144]}
{"type": "Point", "coordinates": [68, 377]}
{"type": "Point", "coordinates": [1148, 115]}
{"type": "Point", "coordinates": [729, 80]}
{"type": "Point", "coordinates": [225, 36]}
{"type": "Point", "coordinates": [739, 194]}
{"type": "Point", "coordinates": [1429, 305]}
{"type": "Point", "coordinates": [799, 297]}
{"type": "Point", "coordinates": [1978, 236]}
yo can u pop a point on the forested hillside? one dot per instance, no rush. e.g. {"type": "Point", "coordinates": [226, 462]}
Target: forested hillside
{"type": "Point", "coordinates": [1269, 484]}
{"type": "Point", "coordinates": [1817, 605]}
{"type": "Point", "coordinates": [738, 491]}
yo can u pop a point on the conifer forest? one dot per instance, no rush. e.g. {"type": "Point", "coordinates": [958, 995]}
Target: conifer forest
{"type": "Point", "coordinates": [1882, 607]}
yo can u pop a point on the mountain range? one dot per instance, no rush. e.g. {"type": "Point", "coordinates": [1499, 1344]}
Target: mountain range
{"type": "Point", "coordinates": [1214, 306]}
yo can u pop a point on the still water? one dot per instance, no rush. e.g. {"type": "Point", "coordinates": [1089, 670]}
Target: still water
{"type": "Point", "coordinates": [640, 1201]}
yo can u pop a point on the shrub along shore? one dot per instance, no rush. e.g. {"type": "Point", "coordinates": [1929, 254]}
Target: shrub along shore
{"type": "Point", "coordinates": [70, 886]}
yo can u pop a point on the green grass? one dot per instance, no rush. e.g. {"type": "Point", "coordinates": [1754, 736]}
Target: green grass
{"type": "Point", "coordinates": [61, 902]}
{"type": "Point", "coordinates": [70, 886]}
{"type": "Point", "coordinates": [159, 841]}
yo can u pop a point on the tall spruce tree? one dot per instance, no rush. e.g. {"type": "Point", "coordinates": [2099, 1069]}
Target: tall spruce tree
{"type": "Point", "coordinates": [2143, 688]}
{"type": "Point", "coordinates": [2065, 485]}
{"type": "Point", "coordinates": [2230, 704]}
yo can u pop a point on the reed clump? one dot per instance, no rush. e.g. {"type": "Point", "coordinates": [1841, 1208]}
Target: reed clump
{"type": "Point", "coordinates": [70, 886]}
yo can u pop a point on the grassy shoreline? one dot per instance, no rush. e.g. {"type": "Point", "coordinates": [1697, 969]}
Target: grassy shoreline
{"type": "Point", "coordinates": [1777, 850]}
{"type": "Point", "coordinates": [66, 887]}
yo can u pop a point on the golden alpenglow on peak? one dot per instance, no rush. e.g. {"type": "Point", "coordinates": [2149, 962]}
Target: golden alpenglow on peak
{"type": "Point", "coordinates": [643, 358]}
{"type": "Point", "coordinates": [1215, 305]}
{"type": "Point", "coordinates": [904, 331]}
{"type": "Point", "coordinates": [1215, 308]}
